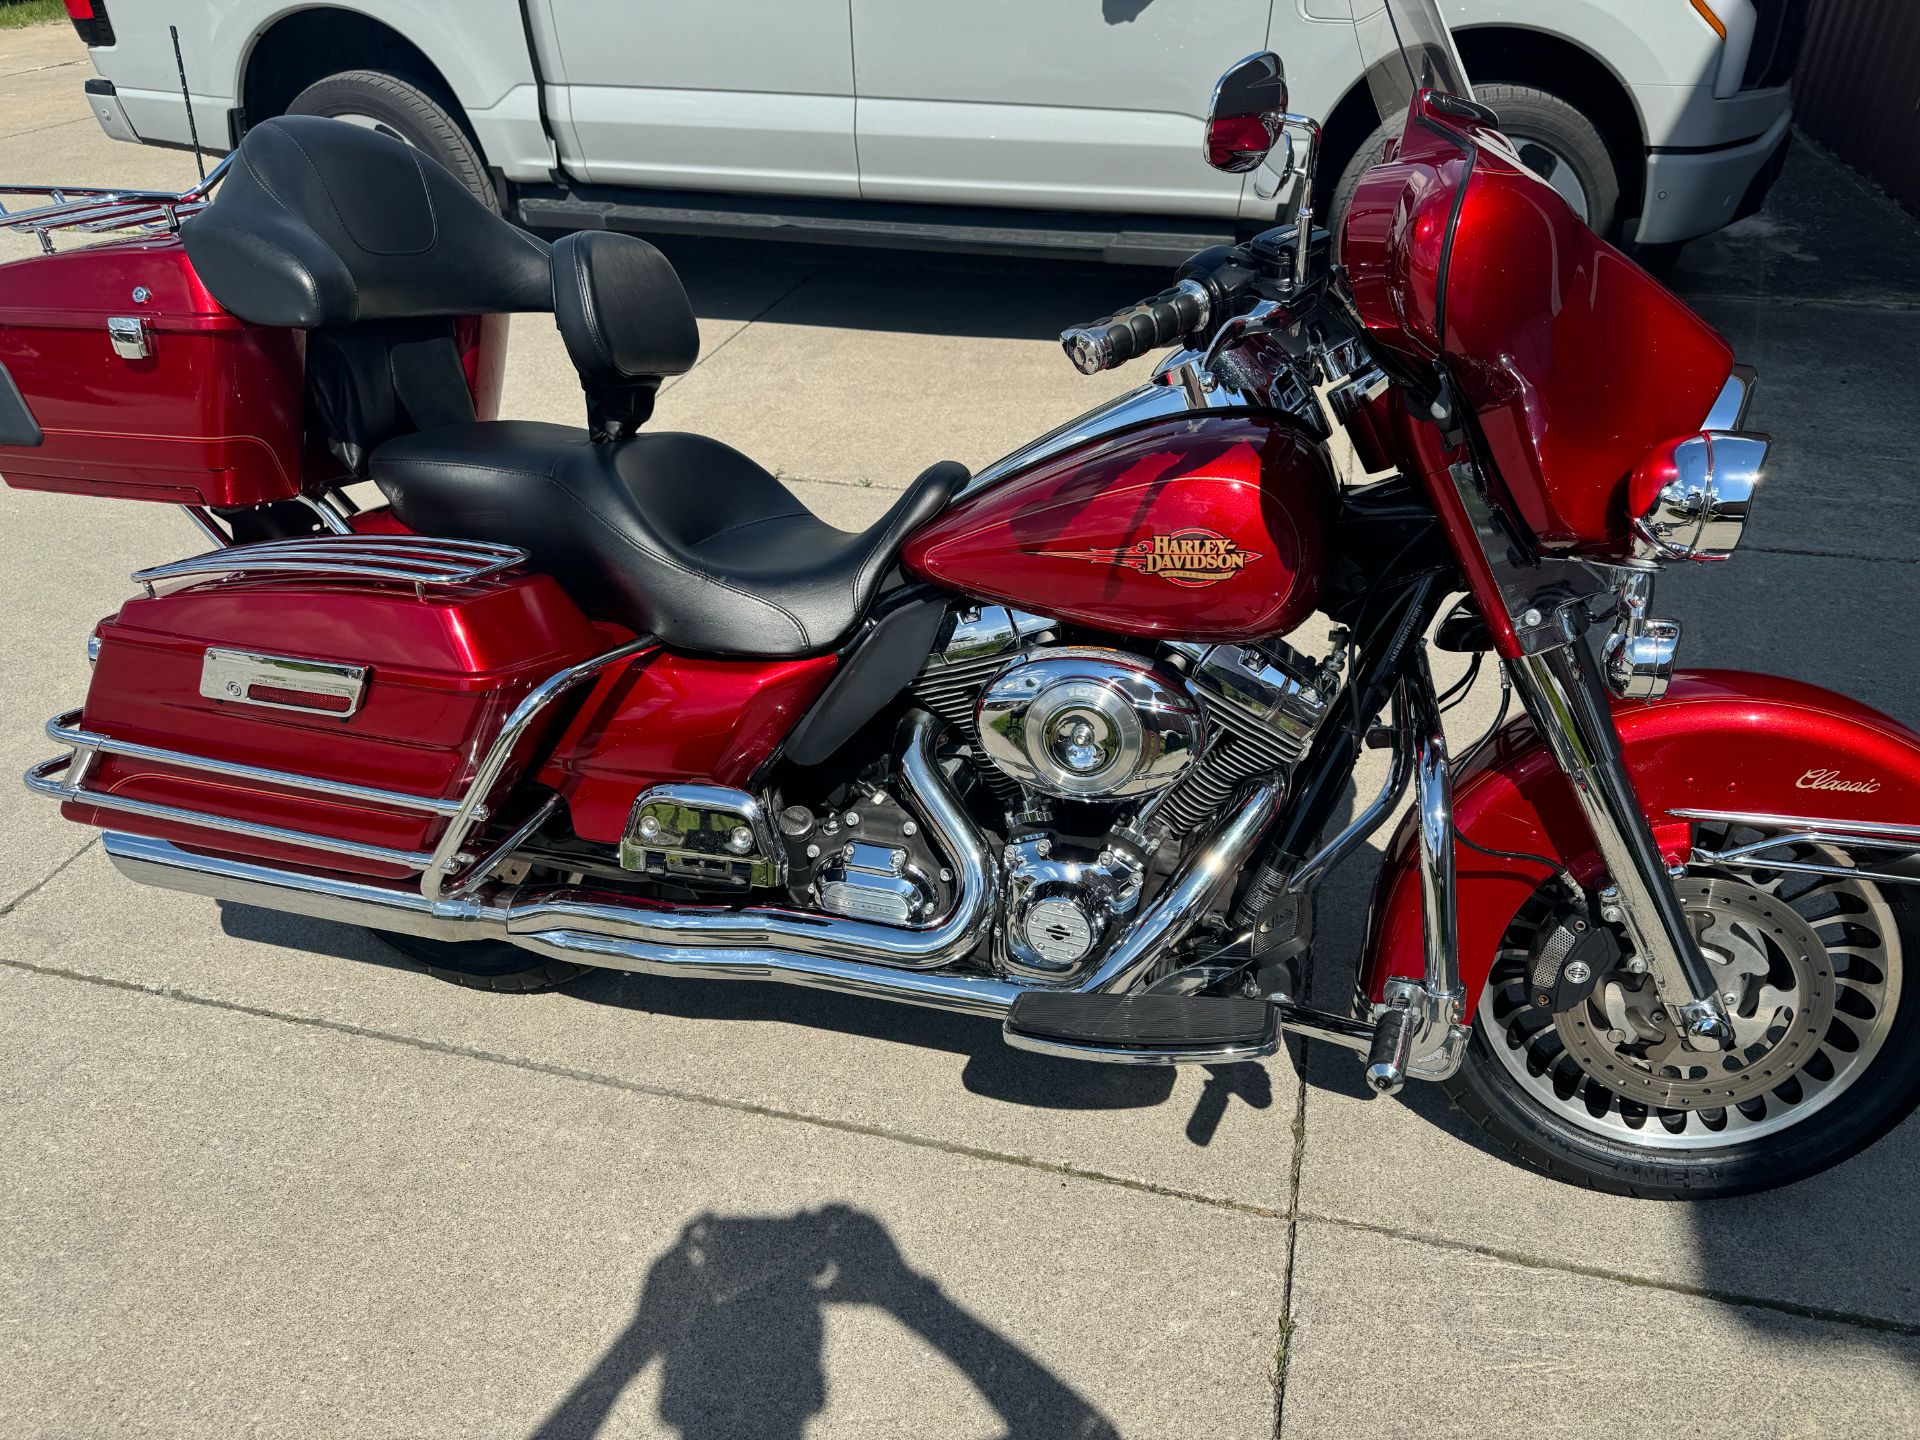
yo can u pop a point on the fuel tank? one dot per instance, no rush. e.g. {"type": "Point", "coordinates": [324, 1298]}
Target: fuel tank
{"type": "Point", "coordinates": [1196, 527]}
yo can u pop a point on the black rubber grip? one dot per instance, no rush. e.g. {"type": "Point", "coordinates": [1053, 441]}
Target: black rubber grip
{"type": "Point", "coordinates": [1151, 324]}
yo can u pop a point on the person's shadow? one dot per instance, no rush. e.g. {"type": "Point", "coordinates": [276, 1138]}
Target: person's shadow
{"type": "Point", "coordinates": [733, 1313]}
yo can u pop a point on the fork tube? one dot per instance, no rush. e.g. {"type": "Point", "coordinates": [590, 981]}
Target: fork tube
{"type": "Point", "coordinates": [1563, 692]}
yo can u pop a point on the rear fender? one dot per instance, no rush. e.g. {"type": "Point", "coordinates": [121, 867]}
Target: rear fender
{"type": "Point", "coordinates": [1720, 740]}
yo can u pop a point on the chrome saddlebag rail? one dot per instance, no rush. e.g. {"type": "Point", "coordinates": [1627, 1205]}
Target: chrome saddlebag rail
{"type": "Point", "coordinates": [448, 869]}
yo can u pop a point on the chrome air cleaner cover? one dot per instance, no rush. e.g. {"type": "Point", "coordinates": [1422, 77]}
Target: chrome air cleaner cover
{"type": "Point", "coordinates": [1083, 723]}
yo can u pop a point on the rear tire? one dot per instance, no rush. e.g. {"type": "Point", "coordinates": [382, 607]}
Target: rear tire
{"type": "Point", "coordinates": [1558, 143]}
{"type": "Point", "coordinates": [404, 110]}
{"type": "Point", "coordinates": [491, 965]}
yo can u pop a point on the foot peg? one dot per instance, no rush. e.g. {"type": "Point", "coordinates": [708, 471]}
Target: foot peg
{"type": "Point", "coordinates": [1143, 1029]}
{"type": "Point", "coordinates": [1391, 1049]}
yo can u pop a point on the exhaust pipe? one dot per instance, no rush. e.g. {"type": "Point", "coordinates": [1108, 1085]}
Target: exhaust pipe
{"type": "Point", "coordinates": [825, 952]}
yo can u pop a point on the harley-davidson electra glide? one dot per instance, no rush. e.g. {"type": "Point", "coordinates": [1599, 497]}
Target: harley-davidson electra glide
{"type": "Point", "coordinates": [1041, 744]}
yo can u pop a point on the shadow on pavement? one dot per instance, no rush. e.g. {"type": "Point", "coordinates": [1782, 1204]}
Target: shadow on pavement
{"type": "Point", "coordinates": [993, 1069]}
{"type": "Point", "coordinates": [734, 1314]}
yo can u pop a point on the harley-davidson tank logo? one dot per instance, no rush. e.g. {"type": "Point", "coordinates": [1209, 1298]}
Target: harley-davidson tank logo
{"type": "Point", "coordinates": [1832, 780]}
{"type": "Point", "coordinates": [1189, 557]}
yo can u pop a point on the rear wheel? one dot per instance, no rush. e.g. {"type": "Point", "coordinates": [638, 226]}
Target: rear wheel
{"type": "Point", "coordinates": [492, 965]}
{"type": "Point", "coordinates": [1826, 1059]}
{"type": "Point", "coordinates": [1557, 142]}
{"type": "Point", "coordinates": [403, 110]}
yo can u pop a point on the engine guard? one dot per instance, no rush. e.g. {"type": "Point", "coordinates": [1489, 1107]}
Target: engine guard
{"type": "Point", "coordinates": [1721, 742]}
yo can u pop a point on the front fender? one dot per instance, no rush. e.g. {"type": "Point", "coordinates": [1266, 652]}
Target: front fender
{"type": "Point", "coordinates": [1719, 740]}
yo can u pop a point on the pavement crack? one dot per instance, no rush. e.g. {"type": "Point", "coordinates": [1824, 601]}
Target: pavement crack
{"type": "Point", "coordinates": [641, 1087]}
{"type": "Point", "coordinates": [1284, 1340]}
{"type": "Point", "coordinates": [1832, 554]}
{"type": "Point", "coordinates": [45, 880]}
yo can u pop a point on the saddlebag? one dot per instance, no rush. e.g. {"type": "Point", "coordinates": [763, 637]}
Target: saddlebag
{"type": "Point", "coordinates": [319, 718]}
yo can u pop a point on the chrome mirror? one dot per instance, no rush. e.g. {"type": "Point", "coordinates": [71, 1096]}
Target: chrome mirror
{"type": "Point", "coordinates": [1249, 107]}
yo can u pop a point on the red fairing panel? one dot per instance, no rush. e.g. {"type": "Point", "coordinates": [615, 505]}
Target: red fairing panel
{"type": "Point", "coordinates": [443, 672]}
{"type": "Point", "coordinates": [1720, 740]}
{"type": "Point", "coordinates": [667, 717]}
{"type": "Point", "coordinates": [211, 416]}
{"type": "Point", "coordinates": [1207, 528]}
{"type": "Point", "coordinates": [1574, 359]}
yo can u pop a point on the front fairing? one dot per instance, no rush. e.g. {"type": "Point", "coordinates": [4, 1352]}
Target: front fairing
{"type": "Point", "coordinates": [1573, 360]}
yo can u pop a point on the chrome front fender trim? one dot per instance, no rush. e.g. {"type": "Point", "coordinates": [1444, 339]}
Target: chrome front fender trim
{"type": "Point", "coordinates": [1893, 850]}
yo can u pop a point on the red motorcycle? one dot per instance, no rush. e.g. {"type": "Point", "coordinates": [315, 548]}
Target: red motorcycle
{"type": "Point", "coordinates": [1038, 745]}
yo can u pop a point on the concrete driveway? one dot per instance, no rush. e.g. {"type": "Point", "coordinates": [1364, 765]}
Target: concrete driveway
{"type": "Point", "coordinates": [258, 1176]}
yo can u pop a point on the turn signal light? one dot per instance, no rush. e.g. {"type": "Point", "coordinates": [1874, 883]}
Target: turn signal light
{"type": "Point", "coordinates": [1690, 497]}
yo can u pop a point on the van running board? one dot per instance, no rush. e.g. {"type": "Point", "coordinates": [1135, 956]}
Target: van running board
{"type": "Point", "coordinates": [1144, 1029]}
{"type": "Point", "coordinates": [1116, 240]}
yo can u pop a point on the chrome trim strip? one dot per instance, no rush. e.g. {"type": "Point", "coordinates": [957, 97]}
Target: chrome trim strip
{"type": "Point", "coordinates": [1862, 828]}
{"type": "Point", "coordinates": [1137, 1055]}
{"type": "Point", "coordinates": [1900, 844]}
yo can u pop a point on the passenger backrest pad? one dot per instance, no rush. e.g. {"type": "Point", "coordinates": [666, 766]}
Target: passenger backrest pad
{"type": "Point", "coordinates": [322, 223]}
{"type": "Point", "coordinates": [626, 321]}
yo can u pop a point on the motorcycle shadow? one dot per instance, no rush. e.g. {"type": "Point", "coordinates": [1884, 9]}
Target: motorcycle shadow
{"type": "Point", "coordinates": [993, 1069]}
{"type": "Point", "coordinates": [734, 1315]}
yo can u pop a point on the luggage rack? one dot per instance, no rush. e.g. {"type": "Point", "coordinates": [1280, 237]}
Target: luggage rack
{"type": "Point", "coordinates": [419, 561]}
{"type": "Point", "coordinates": [449, 872]}
{"type": "Point", "coordinates": [93, 209]}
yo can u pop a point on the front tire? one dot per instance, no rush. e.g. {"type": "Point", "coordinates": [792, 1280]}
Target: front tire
{"type": "Point", "coordinates": [1557, 142]}
{"type": "Point", "coordinates": [402, 109]}
{"type": "Point", "coordinates": [1827, 1058]}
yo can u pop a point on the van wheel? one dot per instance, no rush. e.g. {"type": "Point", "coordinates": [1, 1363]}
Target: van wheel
{"type": "Point", "coordinates": [401, 109]}
{"type": "Point", "coordinates": [492, 965]}
{"type": "Point", "coordinates": [1555, 141]}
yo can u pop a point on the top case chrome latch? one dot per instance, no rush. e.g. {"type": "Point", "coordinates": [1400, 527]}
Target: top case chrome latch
{"type": "Point", "coordinates": [129, 336]}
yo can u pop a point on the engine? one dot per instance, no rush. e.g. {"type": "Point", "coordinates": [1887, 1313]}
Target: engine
{"type": "Point", "coordinates": [1107, 762]}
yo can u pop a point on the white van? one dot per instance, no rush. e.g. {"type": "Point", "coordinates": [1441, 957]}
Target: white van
{"type": "Point", "coordinates": [1022, 125]}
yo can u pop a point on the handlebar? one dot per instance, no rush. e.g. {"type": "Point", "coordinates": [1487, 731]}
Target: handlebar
{"type": "Point", "coordinates": [1152, 323]}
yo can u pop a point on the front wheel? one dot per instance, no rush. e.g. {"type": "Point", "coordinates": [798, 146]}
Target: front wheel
{"type": "Point", "coordinates": [1826, 1057]}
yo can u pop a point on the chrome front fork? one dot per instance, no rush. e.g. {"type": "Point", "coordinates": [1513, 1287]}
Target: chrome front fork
{"type": "Point", "coordinates": [1565, 694]}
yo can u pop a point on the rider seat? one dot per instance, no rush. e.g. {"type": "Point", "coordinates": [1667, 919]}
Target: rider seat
{"type": "Point", "coordinates": [674, 534]}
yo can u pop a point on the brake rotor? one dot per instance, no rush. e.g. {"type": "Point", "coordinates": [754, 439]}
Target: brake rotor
{"type": "Point", "coordinates": [1773, 975]}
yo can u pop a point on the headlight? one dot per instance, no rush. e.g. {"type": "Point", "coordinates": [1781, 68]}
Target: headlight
{"type": "Point", "coordinates": [1690, 498]}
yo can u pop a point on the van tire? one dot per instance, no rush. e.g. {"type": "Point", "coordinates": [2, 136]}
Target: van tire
{"type": "Point", "coordinates": [1537, 123]}
{"type": "Point", "coordinates": [401, 108]}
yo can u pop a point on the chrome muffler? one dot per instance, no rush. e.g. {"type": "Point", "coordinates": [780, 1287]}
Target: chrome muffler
{"type": "Point", "coordinates": [758, 942]}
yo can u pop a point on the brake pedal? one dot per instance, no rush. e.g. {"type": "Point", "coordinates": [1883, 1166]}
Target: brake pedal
{"type": "Point", "coordinates": [1144, 1029]}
